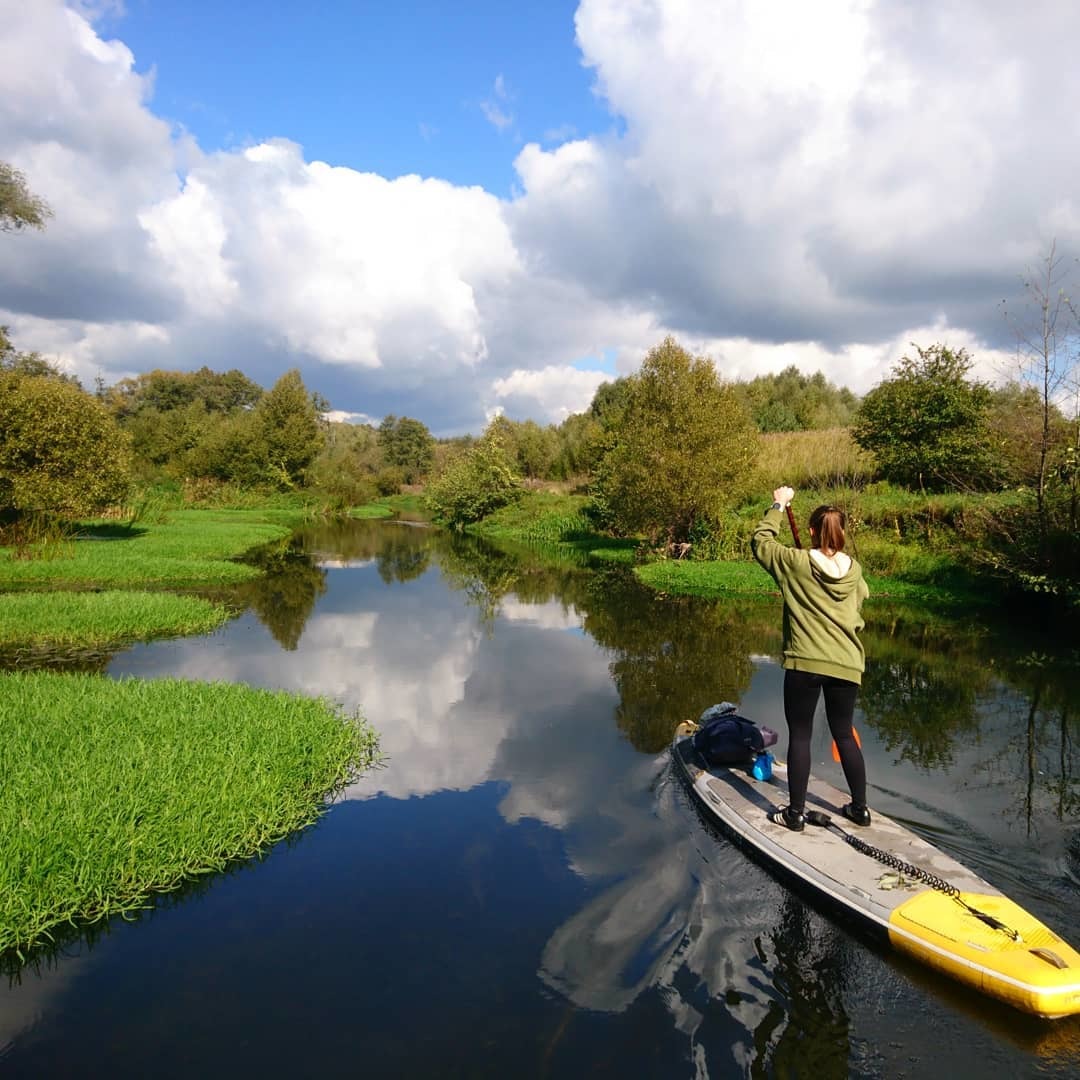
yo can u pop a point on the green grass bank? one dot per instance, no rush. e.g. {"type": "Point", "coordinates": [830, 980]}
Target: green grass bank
{"type": "Point", "coordinates": [115, 790]}
{"type": "Point", "coordinates": [184, 548]}
{"type": "Point", "coordinates": [103, 619]}
{"type": "Point", "coordinates": [107, 583]}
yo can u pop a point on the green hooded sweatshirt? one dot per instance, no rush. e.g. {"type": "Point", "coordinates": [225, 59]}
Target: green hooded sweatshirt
{"type": "Point", "coordinates": [822, 616]}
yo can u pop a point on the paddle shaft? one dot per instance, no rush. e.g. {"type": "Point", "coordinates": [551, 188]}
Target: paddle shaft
{"type": "Point", "coordinates": [794, 527]}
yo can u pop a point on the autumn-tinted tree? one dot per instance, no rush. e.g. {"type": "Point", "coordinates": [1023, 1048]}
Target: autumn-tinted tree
{"type": "Point", "coordinates": [345, 468]}
{"type": "Point", "coordinates": [61, 452]}
{"type": "Point", "coordinates": [927, 424]}
{"type": "Point", "coordinates": [684, 446]}
{"type": "Point", "coordinates": [580, 446]}
{"type": "Point", "coordinates": [1016, 421]}
{"type": "Point", "coordinates": [29, 363]}
{"type": "Point", "coordinates": [609, 400]}
{"type": "Point", "coordinates": [1048, 339]}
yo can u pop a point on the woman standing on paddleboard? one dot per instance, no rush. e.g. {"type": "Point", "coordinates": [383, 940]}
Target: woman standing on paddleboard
{"type": "Point", "coordinates": [823, 591]}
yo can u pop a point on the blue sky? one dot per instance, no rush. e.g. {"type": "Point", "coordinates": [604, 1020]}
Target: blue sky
{"type": "Point", "coordinates": [451, 211]}
{"type": "Point", "coordinates": [393, 88]}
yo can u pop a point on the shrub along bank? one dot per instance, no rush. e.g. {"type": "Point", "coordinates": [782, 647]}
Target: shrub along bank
{"type": "Point", "coordinates": [114, 789]}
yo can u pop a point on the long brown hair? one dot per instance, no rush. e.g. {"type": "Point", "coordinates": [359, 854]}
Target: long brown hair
{"type": "Point", "coordinates": [828, 523]}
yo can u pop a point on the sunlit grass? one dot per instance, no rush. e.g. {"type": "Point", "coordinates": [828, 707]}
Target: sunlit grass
{"type": "Point", "coordinates": [932, 582]}
{"type": "Point", "coordinates": [371, 511]}
{"type": "Point", "coordinates": [684, 577]}
{"type": "Point", "coordinates": [114, 790]}
{"type": "Point", "coordinates": [102, 619]}
{"type": "Point", "coordinates": [188, 547]}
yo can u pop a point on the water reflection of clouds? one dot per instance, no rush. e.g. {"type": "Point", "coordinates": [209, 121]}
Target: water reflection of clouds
{"type": "Point", "coordinates": [527, 703]}
{"type": "Point", "coordinates": [550, 616]}
{"type": "Point", "coordinates": [26, 998]}
{"type": "Point", "coordinates": [442, 695]}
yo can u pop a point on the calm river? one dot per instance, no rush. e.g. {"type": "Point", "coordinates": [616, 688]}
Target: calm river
{"type": "Point", "coordinates": [525, 888]}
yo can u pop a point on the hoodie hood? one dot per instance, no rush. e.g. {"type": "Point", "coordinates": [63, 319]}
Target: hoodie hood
{"type": "Point", "coordinates": [839, 586]}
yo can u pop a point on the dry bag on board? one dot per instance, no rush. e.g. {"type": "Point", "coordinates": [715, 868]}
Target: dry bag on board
{"type": "Point", "coordinates": [726, 738]}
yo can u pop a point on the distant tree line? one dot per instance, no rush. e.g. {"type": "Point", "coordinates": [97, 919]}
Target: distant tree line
{"type": "Point", "coordinates": [664, 453]}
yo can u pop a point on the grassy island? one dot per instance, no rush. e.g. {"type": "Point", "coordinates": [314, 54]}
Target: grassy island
{"type": "Point", "coordinates": [116, 789]}
{"type": "Point", "coordinates": [103, 619]}
{"type": "Point", "coordinates": [106, 584]}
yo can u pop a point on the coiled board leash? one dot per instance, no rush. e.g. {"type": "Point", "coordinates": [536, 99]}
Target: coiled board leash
{"type": "Point", "coordinates": [824, 821]}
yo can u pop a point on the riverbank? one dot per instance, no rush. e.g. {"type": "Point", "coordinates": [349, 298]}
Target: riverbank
{"type": "Point", "coordinates": [108, 584]}
{"type": "Point", "coordinates": [103, 620]}
{"type": "Point", "coordinates": [908, 548]}
{"type": "Point", "coordinates": [114, 790]}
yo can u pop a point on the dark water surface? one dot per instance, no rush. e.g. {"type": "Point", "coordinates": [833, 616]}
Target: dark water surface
{"type": "Point", "coordinates": [525, 889]}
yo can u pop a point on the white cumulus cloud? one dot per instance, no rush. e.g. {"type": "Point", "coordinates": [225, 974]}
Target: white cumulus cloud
{"type": "Point", "coordinates": [817, 185]}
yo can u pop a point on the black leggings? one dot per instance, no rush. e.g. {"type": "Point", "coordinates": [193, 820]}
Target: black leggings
{"type": "Point", "coordinates": [801, 692]}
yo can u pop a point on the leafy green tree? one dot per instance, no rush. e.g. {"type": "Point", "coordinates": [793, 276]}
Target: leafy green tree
{"type": "Point", "coordinates": [791, 401]}
{"type": "Point", "coordinates": [684, 445]}
{"type": "Point", "coordinates": [60, 450]}
{"type": "Point", "coordinates": [580, 446]}
{"type": "Point", "coordinates": [229, 448]}
{"type": "Point", "coordinates": [532, 449]}
{"type": "Point", "coordinates": [19, 206]}
{"type": "Point", "coordinates": [288, 431]}
{"type": "Point", "coordinates": [537, 448]}
{"type": "Point", "coordinates": [927, 425]}
{"type": "Point", "coordinates": [407, 445]}
{"type": "Point", "coordinates": [476, 483]}
{"type": "Point", "coordinates": [163, 391]}
{"type": "Point", "coordinates": [346, 466]}
{"type": "Point", "coordinates": [609, 401]}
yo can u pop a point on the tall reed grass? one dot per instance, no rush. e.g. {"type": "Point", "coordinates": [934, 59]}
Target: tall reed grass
{"type": "Point", "coordinates": [114, 790]}
{"type": "Point", "coordinates": [813, 459]}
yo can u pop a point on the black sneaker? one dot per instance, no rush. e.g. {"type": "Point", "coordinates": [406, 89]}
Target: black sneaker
{"type": "Point", "coordinates": [794, 820]}
{"type": "Point", "coordinates": [858, 815]}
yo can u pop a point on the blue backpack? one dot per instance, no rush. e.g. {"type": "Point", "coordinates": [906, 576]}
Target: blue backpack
{"type": "Point", "coordinates": [726, 738]}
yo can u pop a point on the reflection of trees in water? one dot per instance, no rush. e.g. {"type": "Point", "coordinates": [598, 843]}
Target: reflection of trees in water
{"type": "Point", "coordinates": [285, 596]}
{"type": "Point", "coordinates": [487, 575]}
{"type": "Point", "coordinates": [920, 689]}
{"type": "Point", "coordinates": [927, 686]}
{"type": "Point", "coordinates": [1039, 749]}
{"type": "Point", "coordinates": [806, 1031]}
{"type": "Point", "coordinates": [673, 658]}
{"type": "Point", "coordinates": [404, 555]}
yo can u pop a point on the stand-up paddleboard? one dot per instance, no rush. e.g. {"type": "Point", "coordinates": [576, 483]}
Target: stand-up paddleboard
{"type": "Point", "coordinates": [928, 904]}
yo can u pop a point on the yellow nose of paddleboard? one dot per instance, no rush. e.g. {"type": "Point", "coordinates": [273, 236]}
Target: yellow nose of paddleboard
{"type": "Point", "coordinates": [1036, 971]}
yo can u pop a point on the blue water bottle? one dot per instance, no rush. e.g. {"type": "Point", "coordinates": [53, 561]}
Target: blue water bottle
{"type": "Point", "coordinates": [762, 768]}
